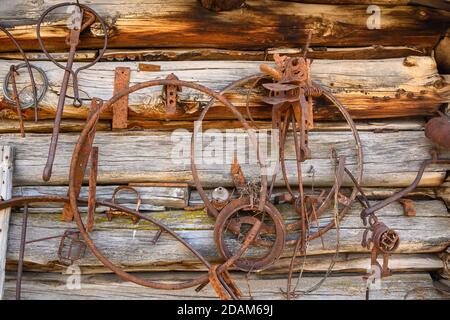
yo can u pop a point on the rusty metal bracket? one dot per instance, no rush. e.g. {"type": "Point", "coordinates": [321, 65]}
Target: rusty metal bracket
{"type": "Point", "coordinates": [111, 213]}
{"type": "Point", "coordinates": [170, 95]}
{"type": "Point", "coordinates": [120, 107]}
{"type": "Point", "coordinates": [408, 207]}
{"type": "Point", "coordinates": [92, 189]}
{"type": "Point", "coordinates": [71, 248]}
{"type": "Point", "coordinates": [85, 152]}
{"type": "Point", "coordinates": [237, 175]}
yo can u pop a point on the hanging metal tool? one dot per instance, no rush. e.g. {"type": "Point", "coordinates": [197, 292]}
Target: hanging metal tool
{"type": "Point", "coordinates": [77, 26]}
{"type": "Point", "coordinates": [30, 73]}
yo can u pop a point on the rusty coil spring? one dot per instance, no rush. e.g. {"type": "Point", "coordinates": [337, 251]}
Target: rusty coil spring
{"type": "Point", "coordinates": [312, 91]}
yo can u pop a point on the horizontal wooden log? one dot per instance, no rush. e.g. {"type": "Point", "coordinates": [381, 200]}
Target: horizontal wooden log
{"type": "Point", "coordinates": [74, 125]}
{"type": "Point", "coordinates": [380, 125]}
{"type": "Point", "coordinates": [258, 25]}
{"type": "Point", "coordinates": [441, 4]}
{"type": "Point", "coordinates": [368, 88]}
{"type": "Point", "coordinates": [152, 198]}
{"type": "Point", "coordinates": [128, 244]}
{"type": "Point", "coordinates": [391, 159]}
{"type": "Point", "coordinates": [360, 53]}
{"type": "Point", "coordinates": [35, 286]}
{"type": "Point", "coordinates": [85, 55]}
{"type": "Point", "coordinates": [46, 126]}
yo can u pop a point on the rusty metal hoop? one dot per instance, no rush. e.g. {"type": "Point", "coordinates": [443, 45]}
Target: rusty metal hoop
{"type": "Point", "coordinates": [77, 100]}
{"type": "Point", "coordinates": [359, 152]}
{"type": "Point", "coordinates": [73, 201]}
{"type": "Point", "coordinates": [30, 72]}
{"type": "Point", "coordinates": [250, 264]}
{"type": "Point", "coordinates": [40, 96]}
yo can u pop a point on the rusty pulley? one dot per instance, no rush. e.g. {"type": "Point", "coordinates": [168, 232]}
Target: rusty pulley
{"type": "Point", "coordinates": [438, 130]}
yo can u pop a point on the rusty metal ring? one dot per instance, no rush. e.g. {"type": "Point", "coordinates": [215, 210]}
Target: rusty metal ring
{"type": "Point", "coordinates": [354, 130]}
{"type": "Point", "coordinates": [74, 167]}
{"type": "Point", "coordinates": [30, 72]}
{"type": "Point", "coordinates": [250, 264]}
{"type": "Point", "coordinates": [7, 92]}
{"type": "Point", "coordinates": [263, 191]}
{"type": "Point", "coordinates": [77, 100]}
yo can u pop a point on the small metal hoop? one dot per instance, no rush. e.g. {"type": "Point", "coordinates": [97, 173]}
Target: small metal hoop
{"type": "Point", "coordinates": [127, 188]}
{"type": "Point", "coordinates": [49, 56]}
{"type": "Point", "coordinates": [41, 95]}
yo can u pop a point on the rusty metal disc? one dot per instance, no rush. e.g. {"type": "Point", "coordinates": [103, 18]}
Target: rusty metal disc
{"type": "Point", "coordinates": [223, 224]}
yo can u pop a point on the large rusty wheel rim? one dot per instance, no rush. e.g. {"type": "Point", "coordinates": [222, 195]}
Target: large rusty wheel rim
{"type": "Point", "coordinates": [250, 264]}
{"type": "Point", "coordinates": [75, 165]}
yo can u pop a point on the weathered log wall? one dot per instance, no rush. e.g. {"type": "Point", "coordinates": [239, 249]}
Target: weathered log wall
{"type": "Point", "coordinates": [258, 25]}
{"type": "Point", "coordinates": [392, 72]}
{"type": "Point", "coordinates": [368, 88]}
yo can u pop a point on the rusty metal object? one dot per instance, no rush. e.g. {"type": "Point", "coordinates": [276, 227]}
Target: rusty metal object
{"type": "Point", "coordinates": [85, 153]}
{"type": "Point", "coordinates": [237, 175]}
{"type": "Point", "coordinates": [74, 172]}
{"type": "Point", "coordinates": [438, 130]}
{"type": "Point", "coordinates": [220, 198]}
{"type": "Point", "coordinates": [15, 97]}
{"type": "Point", "coordinates": [382, 240]}
{"type": "Point", "coordinates": [397, 196]}
{"type": "Point", "coordinates": [30, 72]}
{"type": "Point", "coordinates": [92, 189]}
{"type": "Point", "coordinates": [225, 222]}
{"type": "Point", "coordinates": [170, 95]}
{"type": "Point", "coordinates": [217, 282]}
{"type": "Point", "coordinates": [21, 201]}
{"type": "Point", "coordinates": [23, 239]}
{"type": "Point", "coordinates": [72, 41]}
{"type": "Point", "coordinates": [149, 67]}
{"type": "Point", "coordinates": [71, 248]}
{"type": "Point", "coordinates": [120, 108]}
{"type": "Point", "coordinates": [111, 213]}
{"type": "Point", "coordinates": [408, 207]}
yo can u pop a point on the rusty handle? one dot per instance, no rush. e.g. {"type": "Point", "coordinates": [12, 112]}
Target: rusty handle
{"type": "Point", "coordinates": [368, 211]}
{"type": "Point", "coordinates": [59, 111]}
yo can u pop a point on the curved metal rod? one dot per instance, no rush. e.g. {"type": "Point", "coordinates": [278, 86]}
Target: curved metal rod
{"type": "Point", "coordinates": [30, 71]}
{"type": "Point", "coordinates": [21, 201]}
{"type": "Point", "coordinates": [359, 152]}
{"type": "Point", "coordinates": [74, 167]}
{"type": "Point", "coordinates": [368, 211]}
{"type": "Point", "coordinates": [49, 56]}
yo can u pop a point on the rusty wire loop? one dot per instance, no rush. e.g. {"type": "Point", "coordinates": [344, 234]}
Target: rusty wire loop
{"type": "Point", "coordinates": [30, 72]}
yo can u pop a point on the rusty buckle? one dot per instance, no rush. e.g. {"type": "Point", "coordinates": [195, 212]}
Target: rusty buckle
{"type": "Point", "coordinates": [112, 213]}
{"type": "Point", "coordinates": [170, 95]}
{"type": "Point", "coordinates": [71, 247]}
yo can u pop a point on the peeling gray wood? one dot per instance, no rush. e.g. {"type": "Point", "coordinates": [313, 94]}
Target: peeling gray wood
{"type": "Point", "coordinates": [6, 173]}
{"type": "Point", "coordinates": [129, 245]}
{"type": "Point", "coordinates": [152, 198]}
{"type": "Point", "coordinates": [416, 286]}
{"type": "Point", "coordinates": [390, 159]}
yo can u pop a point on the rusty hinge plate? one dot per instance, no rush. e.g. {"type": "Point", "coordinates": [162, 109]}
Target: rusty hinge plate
{"type": "Point", "coordinates": [120, 108]}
